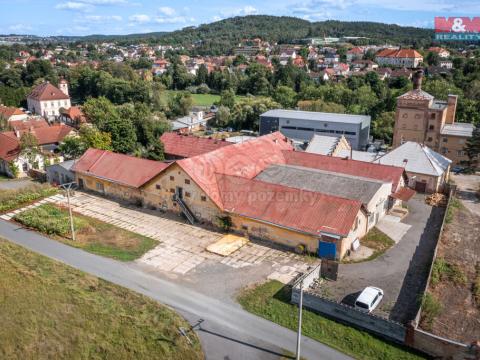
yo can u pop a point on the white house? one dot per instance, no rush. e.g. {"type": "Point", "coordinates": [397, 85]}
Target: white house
{"type": "Point", "coordinates": [47, 100]}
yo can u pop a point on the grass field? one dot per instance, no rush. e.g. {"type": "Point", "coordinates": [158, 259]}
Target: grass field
{"type": "Point", "coordinates": [271, 300]}
{"type": "Point", "coordinates": [204, 99]}
{"type": "Point", "coordinates": [14, 199]}
{"type": "Point", "coordinates": [378, 242]}
{"type": "Point", "coordinates": [51, 311]}
{"type": "Point", "coordinates": [92, 235]}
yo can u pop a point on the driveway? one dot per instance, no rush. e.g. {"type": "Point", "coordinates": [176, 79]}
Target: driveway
{"type": "Point", "coordinates": [182, 255]}
{"type": "Point", "coordinates": [15, 184]}
{"type": "Point", "coordinates": [467, 186]}
{"type": "Point", "coordinates": [402, 271]}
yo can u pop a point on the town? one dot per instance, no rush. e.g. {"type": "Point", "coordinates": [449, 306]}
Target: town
{"type": "Point", "coordinates": [218, 193]}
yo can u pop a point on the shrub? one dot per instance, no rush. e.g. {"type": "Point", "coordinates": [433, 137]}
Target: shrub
{"type": "Point", "coordinates": [431, 308]}
{"type": "Point", "coordinates": [452, 206]}
{"type": "Point", "coordinates": [444, 271]}
{"type": "Point", "coordinates": [225, 222]}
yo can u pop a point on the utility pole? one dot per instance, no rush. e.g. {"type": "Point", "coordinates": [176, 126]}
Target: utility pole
{"type": "Point", "coordinates": [67, 188]}
{"type": "Point", "coordinates": [299, 333]}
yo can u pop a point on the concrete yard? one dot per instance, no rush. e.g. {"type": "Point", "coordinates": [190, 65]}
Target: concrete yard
{"type": "Point", "coordinates": [401, 272]}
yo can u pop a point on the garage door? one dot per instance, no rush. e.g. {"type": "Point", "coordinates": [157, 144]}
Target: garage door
{"type": "Point", "coordinates": [327, 250]}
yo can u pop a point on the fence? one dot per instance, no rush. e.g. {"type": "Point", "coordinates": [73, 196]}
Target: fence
{"type": "Point", "coordinates": [344, 313]}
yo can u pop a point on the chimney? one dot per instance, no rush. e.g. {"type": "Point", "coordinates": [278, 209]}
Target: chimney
{"type": "Point", "coordinates": [451, 109]}
{"type": "Point", "coordinates": [417, 80]}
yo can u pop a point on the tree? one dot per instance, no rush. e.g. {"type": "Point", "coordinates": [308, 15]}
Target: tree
{"type": "Point", "coordinates": [155, 151]}
{"type": "Point", "coordinates": [246, 113]}
{"type": "Point", "coordinates": [94, 138]}
{"type": "Point", "coordinates": [29, 147]}
{"type": "Point", "coordinates": [473, 148]}
{"type": "Point", "coordinates": [72, 147]}
{"type": "Point", "coordinates": [382, 127]}
{"type": "Point", "coordinates": [227, 99]}
{"type": "Point", "coordinates": [222, 116]}
{"type": "Point", "coordinates": [433, 59]}
{"type": "Point", "coordinates": [286, 96]}
{"type": "Point", "coordinates": [100, 111]}
{"type": "Point", "coordinates": [202, 75]}
{"type": "Point", "coordinates": [321, 106]}
{"type": "Point", "coordinates": [122, 131]}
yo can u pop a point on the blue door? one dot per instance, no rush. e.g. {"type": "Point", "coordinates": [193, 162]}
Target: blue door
{"type": "Point", "coordinates": [327, 250]}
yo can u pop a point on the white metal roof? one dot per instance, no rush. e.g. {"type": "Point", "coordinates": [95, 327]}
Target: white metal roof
{"type": "Point", "coordinates": [417, 158]}
{"type": "Point", "coordinates": [322, 144]}
{"type": "Point", "coordinates": [317, 116]}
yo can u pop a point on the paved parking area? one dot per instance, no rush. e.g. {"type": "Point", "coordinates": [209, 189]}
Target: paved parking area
{"type": "Point", "coordinates": [182, 247]}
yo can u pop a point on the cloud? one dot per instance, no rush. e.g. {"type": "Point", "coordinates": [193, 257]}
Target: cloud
{"type": "Point", "coordinates": [171, 20]}
{"type": "Point", "coordinates": [246, 10]}
{"type": "Point", "coordinates": [20, 27]}
{"type": "Point", "coordinates": [165, 10]}
{"type": "Point", "coordinates": [101, 18]}
{"type": "Point", "coordinates": [74, 6]}
{"type": "Point", "coordinates": [104, 2]}
{"type": "Point", "coordinates": [140, 18]}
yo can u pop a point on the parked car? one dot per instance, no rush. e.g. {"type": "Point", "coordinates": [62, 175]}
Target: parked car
{"type": "Point", "coordinates": [458, 170]}
{"type": "Point", "coordinates": [369, 299]}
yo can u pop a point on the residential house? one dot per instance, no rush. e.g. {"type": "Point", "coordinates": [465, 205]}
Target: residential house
{"type": "Point", "coordinates": [408, 58]}
{"type": "Point", "coordinates": [406, 73]}
{"type": "Point", "coordinates": [421, 118]}
{"type": "Point", "coordinates": [48, 139]}
{"type": "Point", "coordinates": [447, 64]}
{"type": "Point", "coordinates": [180, 146]}
{"type": "Point", "coordinates": [30, 124]}
{"type": "Point", "coordinates": [47, 100]}
{"type": "Point", "coordinates": [383, 73]}
{"type": "Point", "coordinates": [12, 113]}
{"type": "Point", "coordinates": [427, 170]}
{"type": "Point", "coordinates": [72, 116]}
{"type": "Point", "coordinates": [355, 53]}
{"type": "Point", "coordinates": [440, 51]}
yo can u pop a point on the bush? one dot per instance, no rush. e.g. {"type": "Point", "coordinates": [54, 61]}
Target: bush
{"type": "Point", "coordinates": [13, 199]}
{"type": "Point", "coordinates": [452, 206]}
{"type": "Point", "coordinates": [445, 271]}
{"type": "Point", "coordinates": [225, 222]}
{"type": "Point", "coordinates": [431, 308]}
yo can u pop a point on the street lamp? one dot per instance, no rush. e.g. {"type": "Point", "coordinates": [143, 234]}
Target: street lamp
{"type": "Point", "coordinates": [299, 332]}
{"type": "Point", "coordinates": [67, 187]}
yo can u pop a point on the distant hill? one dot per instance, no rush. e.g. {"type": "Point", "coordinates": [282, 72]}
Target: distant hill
{"type": "Point", "coordinates": [217, 37]}
{"type": "Point", "coordinates": [221, 36]}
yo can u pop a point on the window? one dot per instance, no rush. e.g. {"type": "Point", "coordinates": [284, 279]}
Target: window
{"type": "Point", "coordinates": [431, 127]}
{"type": "Point", "coordinates": [244, 227]}
{"type": "Point", "coordinates": [203, 198]}
{"type": "Point", "coordinates": [461, 153]}
{"type": "Point", "coordinates": [289, 127]}
{"type": "Point", "coordinates": [99, 187]}
{"type": "Point", "coordinates": [25, 167]}
{"type": "Point", "coordinates": [187, 181]}
{"type": "Point", "coordinates": [432, 116]}
{"type": "Point", "coordinates": [445, 139]}
{"type": "Point", "coordinates": [172, 178]}
{"type": "Point", "coordinates": [405, 115]}
{"type": "Point", "coordinates": [356, 225]}
{"type": "Point", "coordinates": [461, 141]}
{"type": "Point", "coordinates": [305, 129]}
{"type": "Point", "coordinates": [172, 191]}
{"type": "Point", "coordinates": [339, 132]}
{"type": "Point", "coordinates": [158, 187]}
{"type": "Point", "coordinates": [187, 194]}
{"type": "Point", "coordinates": [429, 139]}
{"type": "Point", "coordinates": [350, 133]}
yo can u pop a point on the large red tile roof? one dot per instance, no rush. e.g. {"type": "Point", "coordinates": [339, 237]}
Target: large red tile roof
{"type": "Point", "coordinates": [186, 146]}
{"type": "Point", "coordinates": [44, 135]}
{"type": "Point", "coordinates": [399, 53]}
{"type": "Point", "coordinates": [246, 160]}
{"type": "Point", "coordinates": [364, 169]}
{"type": "Point", "coordinates": [118, 168]}
{"type": "Point", "coordinates": [309, 212]}
{"type": "Point", "coordinates": [7, 111]}
{"type": "Point", "coordinates": [9, 147]}
{"type": "Point", "coordinates": [46, 92]}
{"type": "Point", "coordinates": [34, 123]}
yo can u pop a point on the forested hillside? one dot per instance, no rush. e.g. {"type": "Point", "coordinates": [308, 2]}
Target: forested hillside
{"type": "Point", "coordinates": [220, 37]}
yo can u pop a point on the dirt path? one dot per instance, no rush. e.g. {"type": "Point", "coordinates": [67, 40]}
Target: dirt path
{"type": "Point", "coordinates": [467, 186]}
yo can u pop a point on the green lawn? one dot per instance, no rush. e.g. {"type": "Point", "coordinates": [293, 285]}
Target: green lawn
{"type": "Point", "coordinates": [51, 311]}
{"type": "Point", "coordinates": [271, 300]}
{"type": "Point", "coordinates": [378, 241]}
{"type": "Point", "coordinates": [204, 99]}
{"type": "Point", "coordinates": [92, 235]}
{"type": "Point", "coordinates": [14, 199]}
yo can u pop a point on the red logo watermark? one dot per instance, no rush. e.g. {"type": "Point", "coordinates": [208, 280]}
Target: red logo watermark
{"type": "Point", "coordinates": [457, 24]}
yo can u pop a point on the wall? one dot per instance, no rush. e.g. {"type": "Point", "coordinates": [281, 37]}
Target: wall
{"type": "Point", "coordinates": [344, 313]}
{"type": "Point", "coordinates": [453, 148]}
{"type": "Point", "coordinates": [110, 189]}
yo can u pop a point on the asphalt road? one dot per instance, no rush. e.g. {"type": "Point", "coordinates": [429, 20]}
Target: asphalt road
{"type": "Point", "coordinates": [226, 332]}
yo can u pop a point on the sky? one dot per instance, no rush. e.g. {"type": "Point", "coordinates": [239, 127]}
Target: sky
{"type": "Point", "coordinates": [85, 17]}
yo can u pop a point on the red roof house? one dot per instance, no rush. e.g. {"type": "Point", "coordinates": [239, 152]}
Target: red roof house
{"type": "Point", "coordinates": [180, 146]}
